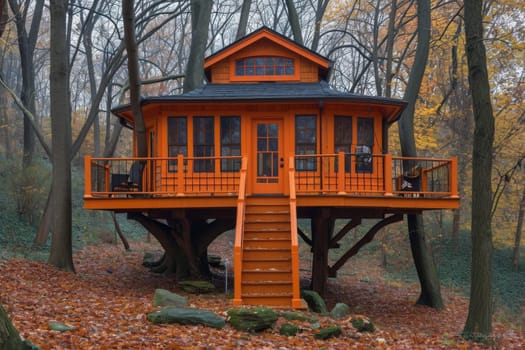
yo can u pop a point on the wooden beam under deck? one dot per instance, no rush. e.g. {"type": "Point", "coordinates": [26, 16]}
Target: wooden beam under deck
{"type": "Point", "coordinates": [388, 203]}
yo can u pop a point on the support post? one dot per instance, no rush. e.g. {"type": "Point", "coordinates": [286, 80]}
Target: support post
{"type": "Point", "coordinates": [322, 227]}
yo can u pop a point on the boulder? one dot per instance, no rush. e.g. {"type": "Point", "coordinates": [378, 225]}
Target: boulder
{"type": "Point", "coordinates": [328, 332]}
{"type": "Point", "coordinates": [362, 324]}
{"type": "Point", "coordinates": [288, 329]}
{"type": "Point", "coordinates": [163, 297]}
{"type": "Point", "coordinates": [59, 327]}
{"type": "Point", "coordinates": [214, 260]}
{"type": "Point", "coordinates": [296, 316]}
{"type": "Point", "coordinates": [252, 320]}
{"type": "Point", "coordinates": [196, 287]}
{"type": "Point", "coordinates": [314, 301]}
{"type": "Point", "coordinates": [340, 310]}
{"type": "Point", "coordinates": [149, 259]}
{"type": "Point", "coordinates": [186, 316]}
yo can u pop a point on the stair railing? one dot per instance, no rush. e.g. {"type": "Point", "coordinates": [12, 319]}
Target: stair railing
{"type": "Point", "coordinates": [296, 293]}
{"type": "Point", "coordinates": [239, 231]}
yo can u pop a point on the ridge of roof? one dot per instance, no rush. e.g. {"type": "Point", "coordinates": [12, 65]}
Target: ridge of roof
{"type": "Point", "coordinates": [273, 32]}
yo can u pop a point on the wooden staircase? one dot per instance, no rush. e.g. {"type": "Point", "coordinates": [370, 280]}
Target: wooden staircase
{"type": "Point", "coordinates": [266, 276]}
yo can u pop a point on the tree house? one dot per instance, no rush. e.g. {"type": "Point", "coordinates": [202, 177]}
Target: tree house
{"type": "Point", "coordinates": [264, 142]}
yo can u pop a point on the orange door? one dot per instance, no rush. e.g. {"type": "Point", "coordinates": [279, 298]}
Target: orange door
{"type": "Point", "coordinates": [267, 154]}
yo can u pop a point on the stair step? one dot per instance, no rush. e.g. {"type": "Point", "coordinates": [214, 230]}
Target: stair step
{"type": "Point", "coordinates": [265, 264]}
{"type": "Point", "coordinates": [266, 244]}
{"type": "Point", "coordinates": [268, 288]}
{"type": "Point", "coordinates": [258, 234]}
{"type": "Point", "coordinates": [266, 279]}
{"type": "Point", "coordinates": [266, 255]}
{"type": "Point", "coordinates": [266, 226]}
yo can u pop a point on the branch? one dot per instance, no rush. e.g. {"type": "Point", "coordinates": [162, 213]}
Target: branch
{"type": "Point", "coordinates": [29, 116]}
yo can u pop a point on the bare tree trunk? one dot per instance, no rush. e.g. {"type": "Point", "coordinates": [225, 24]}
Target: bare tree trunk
{"type": "Point", "coordinates": [9, 337]}
{"type": "Point", "coordinates": [319, 13]}
{"type": "Point", "coordinates": [421, 250]}
{"type": "Point", "coordinates": [200, 22]}
{"type": "Point", "coordinates": [45, 222]}
{"type": "Point", "coordinates": [243, 21]}
{"type": "Point", "coordinates": [517, 237]}
{"type": "Point", "coordinates": [294, 22]}
{"type": "Point", "coordinates": [479, 320]}
{"type": "Point", "coordinates": [61, 243]}
{"type": "Point", "coordinates": [128, 15]}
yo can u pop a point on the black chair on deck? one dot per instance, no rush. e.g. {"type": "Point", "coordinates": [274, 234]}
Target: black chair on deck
{"type": "Point", "coordinates": [131, 182]}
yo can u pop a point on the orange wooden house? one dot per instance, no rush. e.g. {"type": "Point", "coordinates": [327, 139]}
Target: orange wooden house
{"type": "Point", "coordinates": [267, 141]}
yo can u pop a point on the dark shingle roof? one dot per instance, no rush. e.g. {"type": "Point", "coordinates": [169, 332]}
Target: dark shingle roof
{"type": "Point", "coordinates": [267, 92]}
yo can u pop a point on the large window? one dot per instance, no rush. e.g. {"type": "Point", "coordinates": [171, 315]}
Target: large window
{"type": "Point", "coordinates": [177, 140]}
{"type": "Point", "coordinates": [305, 142]}
{"type": "Point", "coordinates": [264, 66]}
{"type": "Point", "coordinates": [343, 138]}
{"type": "Point", "coordinates": [203, 144]}
{"type": "Point", "coordinates": [230, 143]}
{"type": "Point", "coordinates": [365, 143]}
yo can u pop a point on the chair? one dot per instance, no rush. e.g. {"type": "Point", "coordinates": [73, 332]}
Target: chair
{"type": "Point", "coordinates": [131, 182]}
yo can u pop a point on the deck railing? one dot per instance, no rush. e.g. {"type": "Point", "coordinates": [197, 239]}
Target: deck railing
{"type": "Point", "coordinates": [163, 176]}
{"type": "Point", "coordinates": [239, 232]}
{"type": "Point", "coordinates": [296, 294]}
{"type": "Point", "coordinates": [375, 174]}
{"type": "Point", "coordinates": [341, 173]}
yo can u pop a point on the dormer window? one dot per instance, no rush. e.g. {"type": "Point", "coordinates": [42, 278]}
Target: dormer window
{"type": "Point", "coordinates": [265, 68]}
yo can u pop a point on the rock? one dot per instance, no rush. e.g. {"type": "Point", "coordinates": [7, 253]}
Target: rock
{"type": "Point", "coordinates": [214, 260]}
{"type": "Point", "coordinates": [149, 260]}
{"type": "Point", "coordinates": [362, 324]}
{"type": "Point", "coordinates": [55, 326]}
{"type": "Point", "coordinates": [288, 329]}
{"type": "Point", "coordinates": [164, 297]}
{"type": "Point", "coordinates": [252, 320]}
{"type": "Point", "coordinates": [314, 301]}
{"type": "Point", "coordinates": [328, 332]}
{"type": "Point", "coordinates": [196, 287]}
{"type": "Point", "coordinates": [186, 316]}
{"type": "Point", "coordinates": [340, 310]}
{"type": "Point", "coordinates": [296, 316]}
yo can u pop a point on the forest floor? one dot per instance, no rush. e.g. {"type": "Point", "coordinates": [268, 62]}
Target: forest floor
{"type": "Point", "coordinates": [108, 298]}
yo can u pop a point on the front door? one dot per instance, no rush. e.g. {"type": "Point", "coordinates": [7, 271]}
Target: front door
{"type": "Point", "coordinates": [268, 155]}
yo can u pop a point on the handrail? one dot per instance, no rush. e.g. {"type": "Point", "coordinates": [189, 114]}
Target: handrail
{"type": "Point", "coordinates": [296, 294]}
{"type": "Point", "coordinates": [239, 232]}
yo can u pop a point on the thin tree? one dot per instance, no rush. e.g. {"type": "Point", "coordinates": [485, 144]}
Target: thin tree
{"type": "Point", "coordinates": [479, 321]}
{"type": "Point", "coordinates": [9, 337]}
{"type": "Point", "coordinates": [61, 242]}
{"type": "Point", "coordinates": [26, 46]}
{"type": "Point", "coordinates": [517, 236]}
{"type": "Point", "coordinates": [200, 22]}
{"type": "Point", "coordinates": [130, 40]}
{"type": "Point", "coordinates": [243, 20]}
{"type": "Point", "coordinates": [293, 17]}
{"type": "Point", "coordinates": [421, 250]}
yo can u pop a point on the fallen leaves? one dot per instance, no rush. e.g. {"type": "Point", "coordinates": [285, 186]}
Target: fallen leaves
{"type": "Point", "coordinates": [107, 311]}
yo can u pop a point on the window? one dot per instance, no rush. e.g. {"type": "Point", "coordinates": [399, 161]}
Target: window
{"type": "Point", "coordinates": [177, 140]}
{"type": "Point", "coordinates": [264, 66]}
{"type": "Point", "coordinates": [305, 142]}
{"type": "Point", "coordinates": [365, 143]}
{"type": "Point", "coordinates": [203, 144]}
{"type": "Point", "coordinates": [230, 143]}
{"type": "Point", "coordinates": [343, 138]}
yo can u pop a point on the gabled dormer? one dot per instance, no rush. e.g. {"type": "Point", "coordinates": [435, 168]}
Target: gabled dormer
{"type": "Point", "coordinates": [266, 56]}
